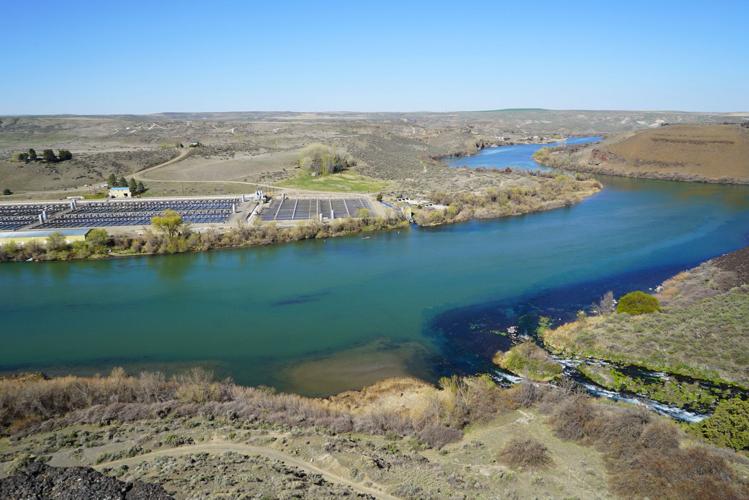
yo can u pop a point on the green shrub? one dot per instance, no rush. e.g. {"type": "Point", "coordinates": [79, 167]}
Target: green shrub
{"type": "Point", "coordinates": [638, 303]}
{"type": "Point", "coordinates": [729, 425]}
{"type": "Point", "coordinates": [530, 361]}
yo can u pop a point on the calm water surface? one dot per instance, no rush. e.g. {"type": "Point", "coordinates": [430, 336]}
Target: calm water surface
{"type": "Point", "coordinates": [320, 316]}
{"type": "Point", "coordinates": [519, 156]}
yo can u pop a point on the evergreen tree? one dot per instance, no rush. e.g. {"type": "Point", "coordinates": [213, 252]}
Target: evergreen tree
{"type": "Point", "coordinates": [32, 154]}
{"type": "Point", "coordinates": [49, 156]}
{"type": "Point", "coordinates": [133, 186]}
{"type": "Point", "coordinates": [112, 181]}
{"type": "Point", "coordinates": [141, 188]}
{"type": "Point", "coordinates": [64, 155]}
{"type": "Point", "coordinates": [122, 182]}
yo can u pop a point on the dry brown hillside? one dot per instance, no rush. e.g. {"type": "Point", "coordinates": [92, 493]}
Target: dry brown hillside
{"type": "Point", "coordinates": [710, 150]}
{"type": "Point", "coordinates": [708, 153]}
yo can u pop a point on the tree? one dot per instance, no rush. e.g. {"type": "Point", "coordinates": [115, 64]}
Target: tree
{"type": "Point", "coordinates": [32, 154]}
{"type": "Point", "coordinates": [638, 303]}
{"type": "Point", "coordinates": [133, 186]}
{"type": "Point", "coordinates": [20, 157]}
{"type": "Point", "coordinates": [169, 223]}
{"type": "Point", "coordinates": [141, 188]}
{"type": "Point", "coordinates": [64, 155]}
{"type": "Point", "coordinates": [112, 181]}
{"type": "Point", "coordinates": [56, 241]}
{"type": "Point", "coordinates": [97, 239]}
{"type": "Point", "coordinates": [49, 156]}
{"type": "Point", "coordinates": [320, 159]}
{"type": "Point", "coordinates": [606, 305]}
{"type": "Point", "coordinates": [122, 182]}
{"type": "Point", "coordinates": [7, 192]}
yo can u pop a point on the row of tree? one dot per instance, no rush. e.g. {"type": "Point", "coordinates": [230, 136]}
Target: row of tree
{"type": "Point", "coordinates": [135, 187]}
{"type": "Point", "coordinates": [48, 155]}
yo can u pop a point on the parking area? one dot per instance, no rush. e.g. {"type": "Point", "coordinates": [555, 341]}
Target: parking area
{"type": "Point", "coordinates": [293, 209]}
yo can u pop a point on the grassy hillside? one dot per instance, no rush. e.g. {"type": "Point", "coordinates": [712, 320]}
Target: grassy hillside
{"type": "Point", "coordinates": [701, 331]}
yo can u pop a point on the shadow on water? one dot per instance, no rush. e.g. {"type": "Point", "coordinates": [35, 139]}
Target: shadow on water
{"type": "Point", "coordinates": [467, 337]}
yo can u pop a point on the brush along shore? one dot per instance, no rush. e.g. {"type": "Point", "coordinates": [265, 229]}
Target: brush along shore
{"type": "Point", "coordinates": [525, 194]}
{"type": "Point", "coordinates": [195, 436]}
{"type": "Point", "coordinates": [697, 336]}
{"type": "Point", "coordinates": [529, 193]}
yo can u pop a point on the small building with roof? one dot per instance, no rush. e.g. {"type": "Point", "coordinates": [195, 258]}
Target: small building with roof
{"type": "Point", "coordinates": [120, 192]}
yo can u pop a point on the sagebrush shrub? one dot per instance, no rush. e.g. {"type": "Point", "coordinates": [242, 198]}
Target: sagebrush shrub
{"type": "Point", "coordinates": [525, 453]}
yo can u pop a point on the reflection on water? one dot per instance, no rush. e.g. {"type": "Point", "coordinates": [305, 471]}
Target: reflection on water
{"type": "Point", "coordinates": [174, 270]}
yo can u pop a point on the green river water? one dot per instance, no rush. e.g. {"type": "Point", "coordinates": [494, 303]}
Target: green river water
{"type": "Point", "coordinates": [320, 316]}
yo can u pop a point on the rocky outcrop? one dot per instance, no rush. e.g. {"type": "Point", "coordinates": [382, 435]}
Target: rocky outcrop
{"type": "Point", "coordinates": [40, 481]}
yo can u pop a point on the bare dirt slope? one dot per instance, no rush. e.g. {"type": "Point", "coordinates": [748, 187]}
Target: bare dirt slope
{"type": "Point", "coordinates": [716, 153]}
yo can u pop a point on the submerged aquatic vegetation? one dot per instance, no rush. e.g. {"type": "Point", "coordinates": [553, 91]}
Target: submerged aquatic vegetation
{"type": "Point", "coordinates": [530, 361]}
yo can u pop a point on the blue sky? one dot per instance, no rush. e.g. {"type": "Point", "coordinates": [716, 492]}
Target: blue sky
{"type": "Point", "coordinates": [142, 57]}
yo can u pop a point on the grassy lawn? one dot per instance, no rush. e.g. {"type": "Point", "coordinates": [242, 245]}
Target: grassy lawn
{"type": "Point", "coordinates": [345, 182]}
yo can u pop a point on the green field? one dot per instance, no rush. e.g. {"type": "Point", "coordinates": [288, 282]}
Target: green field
{"type": "Point", "coordinates": [345, 182]}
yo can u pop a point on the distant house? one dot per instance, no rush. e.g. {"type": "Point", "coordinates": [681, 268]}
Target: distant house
{"type": "Point", "coordinates": [120, 192]}
{"type": "Point", "coordinates": [260, 196]}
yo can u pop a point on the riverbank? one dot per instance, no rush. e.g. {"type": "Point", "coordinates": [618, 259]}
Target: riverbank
{"type": "Point", "coordinates": [695, 347]}
{"type": "Point", "coordinates": [551, 192]}
{"type": "Point", "coordinates": [398, 438]}
{"type": "Point", "coordinates": [515, 195]}
{"type": "Point", "coordinates": [101, 245]}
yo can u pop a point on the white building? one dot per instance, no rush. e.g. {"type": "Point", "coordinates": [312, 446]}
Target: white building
{"type": "Point", "coordinates": [120, 192]}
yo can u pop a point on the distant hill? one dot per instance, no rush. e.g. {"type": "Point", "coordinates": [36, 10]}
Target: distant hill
{"type": "Point", "coordinates": [711, 151]}
{"type": "Point", "coordinates": [694, 152]}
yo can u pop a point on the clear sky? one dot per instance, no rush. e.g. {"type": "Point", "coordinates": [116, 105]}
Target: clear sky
{"type": "Point", "coordinates": [98, 57]}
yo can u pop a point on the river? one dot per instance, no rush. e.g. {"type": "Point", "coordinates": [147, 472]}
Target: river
{"type": "Point", "coordinates": [317, 317]}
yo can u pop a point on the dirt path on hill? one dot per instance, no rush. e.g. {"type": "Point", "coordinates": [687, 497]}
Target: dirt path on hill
{"type": "Point", "coordinates": [220, 446]}
{"type": "Point", "coordinates": [181, 156]}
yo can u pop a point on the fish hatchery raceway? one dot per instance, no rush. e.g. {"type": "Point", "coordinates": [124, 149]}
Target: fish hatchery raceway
{"type": "Point", "coordinates": [353, 334]}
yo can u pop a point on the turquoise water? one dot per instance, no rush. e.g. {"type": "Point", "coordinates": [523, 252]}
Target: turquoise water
{"type": "Point", "coordinates": [254, 313]}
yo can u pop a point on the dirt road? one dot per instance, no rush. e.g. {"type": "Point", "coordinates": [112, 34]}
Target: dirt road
{"type": "Point", "coordinates": [219, 446]}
